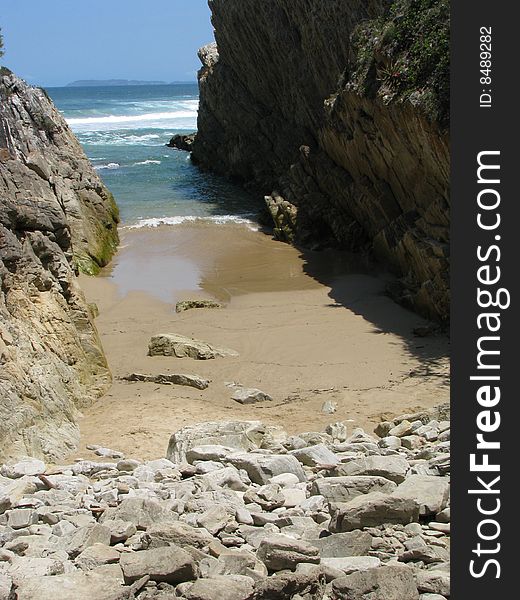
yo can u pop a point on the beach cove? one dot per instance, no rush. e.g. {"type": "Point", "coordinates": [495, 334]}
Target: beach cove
{"type": "Point", "coordinates": [314, 330]}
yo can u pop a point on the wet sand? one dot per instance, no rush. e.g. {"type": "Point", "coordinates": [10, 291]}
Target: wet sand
{"type": "Point", "coordinates": [308, 328]}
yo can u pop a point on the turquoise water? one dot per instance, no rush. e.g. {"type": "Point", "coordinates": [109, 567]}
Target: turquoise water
{"type": "Point", "coordinates": [123, 131]}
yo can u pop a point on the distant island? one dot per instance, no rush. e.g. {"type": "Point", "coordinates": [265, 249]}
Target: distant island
{"type": "Point", "coordinates": [112, 82]}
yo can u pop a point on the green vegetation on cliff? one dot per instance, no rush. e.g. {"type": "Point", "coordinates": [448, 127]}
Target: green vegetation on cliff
{"type": "Point", "coordinates": [1, 44]}
{"type": "Point", "coordinates": [406, 55]}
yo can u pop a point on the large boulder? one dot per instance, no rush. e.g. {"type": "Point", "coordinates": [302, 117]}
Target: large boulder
{"type": "Point", "coordinates": [224, 588]}
{"type": "Point", "coordinates": [371, 510]}
{"type": "Point", "coordinates": [430, 492]}
{"type": "Point", "coordinates": [172, 344]}
{"type": "Point", "coordinates": [142, 512]}
{"type": "Point", "coordinates": [262, 467]}
{"type": "Point", "coordinates": [239, 435]}
{"type": "Point", "coordinates": [279, 552]}
{"type": "Point", "coordinates": [383, 583]}
{"type": "Point", "coordinates": [343, 489]}
{"type": "Point", "coordinates": [337, 545]}
{"type": "Point", "coordinates": [394, 468]}
{"type": "Point", "coordinates": [170, 564]}
{"type": "Point", "coordinates": [73, 586]}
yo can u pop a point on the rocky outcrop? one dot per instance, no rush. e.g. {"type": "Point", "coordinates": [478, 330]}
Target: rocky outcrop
{"type": "Point", "coordinates": [56, 218]}
{"type": "Point", "coordinates": [337, 113]}
{"type": "Point", "coordinates": [235, 512]}
{"type": "Point", "coordinates": [182, 141]}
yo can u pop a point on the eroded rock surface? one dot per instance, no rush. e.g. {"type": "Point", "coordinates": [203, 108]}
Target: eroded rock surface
{"type": "Point", "coordinates": [329, 111]}
{"type": "Point", "coordinates": [56, 218]}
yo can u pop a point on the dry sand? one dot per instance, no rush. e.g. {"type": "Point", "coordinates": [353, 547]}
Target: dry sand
{"type": "Point", "coordinates": [308, 328]}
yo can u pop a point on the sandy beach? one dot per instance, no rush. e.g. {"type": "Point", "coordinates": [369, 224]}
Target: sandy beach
{"type": "Point", "coordinates": [309, 328]}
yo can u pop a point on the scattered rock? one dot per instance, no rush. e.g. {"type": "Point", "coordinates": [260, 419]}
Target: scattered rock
{"type": "Point", "coordinates": [373, 509]}
{"type": "Point", "coordinates": [279, 552]}
{"type": "Point", "coordinates": [250, 396]}
{"type": "Point", "coordinates": [171, 379]}
{"type": "Point", "coordinates": [384, 583]}
{"type": "Point", "coordinates": [171, 344]}
{"type": "Point", "coordinates": [239, 509]}
{"type": "Point", "coordinates": [169, 564]}
{"type": "Point", "coordinates": [190, 304]}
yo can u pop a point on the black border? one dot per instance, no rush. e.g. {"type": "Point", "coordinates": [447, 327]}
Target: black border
{"type": "Point", "coordinates": [475, 129]}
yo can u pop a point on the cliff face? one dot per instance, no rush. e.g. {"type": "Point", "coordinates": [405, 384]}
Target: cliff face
{"type": "Point", "coordinates": [56, 218]}
{"type": "Point", "coordinates": [336, 112]}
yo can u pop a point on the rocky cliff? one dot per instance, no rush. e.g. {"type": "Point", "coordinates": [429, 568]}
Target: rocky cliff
{"type": "Point", "coordinates": [56, 219]}
{"type": "Point", "coordinates": [336, 111]}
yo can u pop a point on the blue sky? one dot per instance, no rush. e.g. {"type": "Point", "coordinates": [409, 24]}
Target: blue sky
{"type": "Point", "coordinates": [54, 42]}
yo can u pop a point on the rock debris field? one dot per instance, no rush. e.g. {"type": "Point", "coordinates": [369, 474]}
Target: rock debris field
{"type": "Point", "coordinates": [237, 511]}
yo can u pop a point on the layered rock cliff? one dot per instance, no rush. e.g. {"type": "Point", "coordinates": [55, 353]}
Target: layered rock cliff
{"type": "Point", "coordinates": [336, 111]}
{"type": "Point", "coordinates": [56, 219]}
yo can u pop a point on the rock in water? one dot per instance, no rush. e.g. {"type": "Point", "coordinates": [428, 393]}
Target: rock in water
{"type": "Point", "coordinates": [182, 141]}
{"type": "Point", "coordinates": [171, 344]}
{"type": "Point", "coordinates": [56, 217]}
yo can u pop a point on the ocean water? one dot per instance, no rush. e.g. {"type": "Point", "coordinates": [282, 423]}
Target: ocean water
{"type": "Point", "coordinates": [123, 131]}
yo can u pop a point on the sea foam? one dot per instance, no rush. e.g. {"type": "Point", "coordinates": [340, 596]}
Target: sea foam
{"type": "Point", "coordinates": [179, 220]}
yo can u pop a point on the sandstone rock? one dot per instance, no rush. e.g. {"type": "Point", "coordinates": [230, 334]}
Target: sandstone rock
{"type": "Point", "coordinates": [214, 519]}
{"type": "Point", "coordinates": [351, 564]}
{"type": "Point", "coordinates": [433, 582]}
{"type": "Point", "coordinates": [342, 186]}
{"type": "Point", "coordinates": [6, 585]}
{"type": "Point", "coordinates": [22, 567]}
{"type": "Point", "coordinates": [373, 509]}
{"type": "Point", "coordinates": [390, 441]}
{"type": "Point", "coordinates": [84, 537]}
{"type": "Point", "coordinates": [171, 379]}
{"type": "Point", "coordinates": [262, 467]}
{"type": "Point", "coordinates": [241, 435]}
{"type": "Point", "coordinates": [142, 512]}
{"type": "Point", "coordinates": [337, 545]}
{"type": "Point", "coordinates": [383, 583]}
{"type": "Point", "coordinates": [337, 431]}
{"type": "Point", "coordinates": [431, 493]}
{"type": "Point", "coordinates": [250, 396]}
{"type": "Point", "coordinates": [178, 534]}
{"type": "Point", "coordinates": [95, 556]}
{"type": "Point", "coordinates": [280, 552]}
{"type": "Point", "coordinates": [393, 468]}
{"type": "Point", "coordinates": [316, 455]}
{"type": "Point", "coordinates": [208, 452]}
{"type": "Point", "coordinates": [56, 217]}
{"type": "Point", "coordinates": [190, 304]}
{"type": "Point", "coordinates": [26, 466]}
{"type": "Point", "coordinates": [72, 586]}
{"type": "Point", "coordinates": [170, 564]}
{"type": "Point", "coordinates": [21, 518]}
{"type": "Point", "coordinates": [171, 344]}
{"type": "Point", "coordinates": [120, 530]}
{"type": "Point", "coordinates": [223, 588]}
{"type": "Point", "coordinates": [268, 497]}
{"type": "Point", "coordinates": [343, 489]}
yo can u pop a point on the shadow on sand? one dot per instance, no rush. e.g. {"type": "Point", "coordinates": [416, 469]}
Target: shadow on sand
{"type": "Point", "coordinates": [360, 286]}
